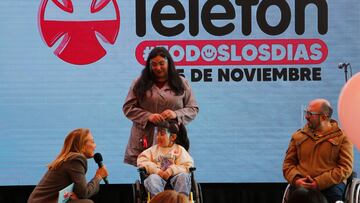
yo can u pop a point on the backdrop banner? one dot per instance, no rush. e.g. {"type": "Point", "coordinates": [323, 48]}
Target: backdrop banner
{"type": "Point", "coordinates": [253, 66]}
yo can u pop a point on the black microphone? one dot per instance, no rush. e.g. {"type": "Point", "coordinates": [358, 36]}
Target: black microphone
{"type": "Point", "coordinates": [343, 65]}
{"type": "Point", "coordinates": [98, 159]}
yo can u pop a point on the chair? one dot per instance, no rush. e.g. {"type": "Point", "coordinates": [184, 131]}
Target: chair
{"type": "Point", "coordinates": [351, 194]}
{"type": "Point", "coordinates": [140, 195]}
{"type": "Point", "coordinates": [352, 189]}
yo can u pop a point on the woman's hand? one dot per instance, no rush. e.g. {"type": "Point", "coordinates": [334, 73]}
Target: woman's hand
{"type": "Point", "coordinates": [102, 172]}
{"type": "Point", "coordinates": [156, 118]}
{"type": "Point", "coordinates": [168, 114]}
{"type": "Point", "coordinates": [73, 196]}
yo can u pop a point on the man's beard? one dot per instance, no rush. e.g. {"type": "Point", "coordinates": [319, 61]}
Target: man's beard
{"type": "Point", "coordinates": [311, 125]}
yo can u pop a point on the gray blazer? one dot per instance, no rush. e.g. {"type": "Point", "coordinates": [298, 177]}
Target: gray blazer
{"type": "Point", "coordinates": [72, 170]}
{"type": "Point", "coordinates": [156, 101]}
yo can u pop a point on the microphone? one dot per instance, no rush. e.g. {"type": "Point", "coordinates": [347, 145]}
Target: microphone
{"type": "Point", "coordinates": [98, 159]}
{"type": "Point", "coordinates": [343, 65]}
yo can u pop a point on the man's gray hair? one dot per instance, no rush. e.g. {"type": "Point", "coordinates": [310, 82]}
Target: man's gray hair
{"type": "Point", "coordinates": [326, 108]}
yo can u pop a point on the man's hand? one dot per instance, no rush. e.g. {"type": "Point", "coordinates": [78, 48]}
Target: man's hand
{"type": "Point", "coordinates": [311, 183]}
{"type": "Point", "coordinates": [307, 182]}
{"type": "Point", "coordinates": [300, 182]}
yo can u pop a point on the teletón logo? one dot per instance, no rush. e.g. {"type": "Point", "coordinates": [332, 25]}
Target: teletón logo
{"type": "Point", "coordinates": [79, 44]}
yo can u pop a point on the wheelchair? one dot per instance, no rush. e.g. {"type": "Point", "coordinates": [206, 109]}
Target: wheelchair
{"type": "Point", "coordinates": [140, 195]}
{"type": "Point", "coordinates": [352, 190]}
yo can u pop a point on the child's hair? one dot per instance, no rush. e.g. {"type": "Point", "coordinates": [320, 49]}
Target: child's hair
{"type": "Point", "coordinates": [178, 129]}
{"type": "Point", "coordinates": [182, 138]}
{"type": "Point", "coordinates": [302, 195]}
{"type": "Point", "coordinates": [170, 196]}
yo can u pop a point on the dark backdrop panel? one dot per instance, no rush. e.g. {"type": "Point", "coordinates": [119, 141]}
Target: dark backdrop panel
{"type": "Point", "coordinates": [212, 193]}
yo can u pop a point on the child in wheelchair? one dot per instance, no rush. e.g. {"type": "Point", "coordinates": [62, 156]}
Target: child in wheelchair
{"type": "Point", "coordinates": [168, 160]}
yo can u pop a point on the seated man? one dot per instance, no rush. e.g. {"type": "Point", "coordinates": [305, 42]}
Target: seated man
{"type": "Point", "coordinates": [319, 156]}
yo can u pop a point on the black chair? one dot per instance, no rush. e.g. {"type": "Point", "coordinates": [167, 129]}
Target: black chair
{"type": "Point", "coordinates": [140, 195]}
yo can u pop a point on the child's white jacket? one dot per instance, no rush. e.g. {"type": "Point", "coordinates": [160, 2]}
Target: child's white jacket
{"type": "Point", "coordinates": [158, 158]}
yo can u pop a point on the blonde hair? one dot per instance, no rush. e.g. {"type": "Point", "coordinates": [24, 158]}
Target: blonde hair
{"type": "Point", "coordinates": [74, 144]}
{"type": "Point", "coordinates": [170, 196]}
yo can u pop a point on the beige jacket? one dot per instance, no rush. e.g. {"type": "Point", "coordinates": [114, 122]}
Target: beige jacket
{"type": "Point", "coordinates": [158, 158]}
{"type": "Point", "coordinates": [328, 159]}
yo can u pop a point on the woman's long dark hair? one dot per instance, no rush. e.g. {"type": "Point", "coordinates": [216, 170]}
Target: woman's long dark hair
{"type": "Point", "coordinates": [147, 77]}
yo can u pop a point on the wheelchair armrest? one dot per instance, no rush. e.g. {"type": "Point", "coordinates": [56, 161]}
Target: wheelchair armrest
{"type": "Point", "coordinates": [141, 170]}
{"type": "Point", "coordinates": [143, 174]}
{"type": "Point", "coordinates": [192, 169]}
{"type": "Point", "coordinates": [350, 178]}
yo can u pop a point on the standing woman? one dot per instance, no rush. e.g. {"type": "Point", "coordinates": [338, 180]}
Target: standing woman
{"type": "Point", "coordinates": [70, 166]}
{"type": "Point", "coordinates": [159, 94]}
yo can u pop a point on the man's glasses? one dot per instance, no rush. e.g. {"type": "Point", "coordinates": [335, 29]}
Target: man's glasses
{"type": "Point", "coordinates": [311, 113]}
{"type": "Point", "coordinates": [160, 63]}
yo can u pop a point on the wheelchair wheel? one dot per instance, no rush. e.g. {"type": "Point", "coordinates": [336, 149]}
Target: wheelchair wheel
{"type": "Point", "coordinates": [137, 192]}
{"type": "Point", "coordinates": [357, 193]}
{"type": "Point", "coordinates": [197, 194]}
{"type": "Point", "coordinates": [286, 194]}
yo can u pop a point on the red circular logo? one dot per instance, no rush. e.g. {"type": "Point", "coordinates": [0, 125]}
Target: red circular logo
{"type": "Point", "coordinates": [79, 44]}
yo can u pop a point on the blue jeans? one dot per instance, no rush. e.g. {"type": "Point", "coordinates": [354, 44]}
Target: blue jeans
{"type": "Point", "coordinates": [180, 183]}
{"type": "Point", "coordinates": [334, 193]}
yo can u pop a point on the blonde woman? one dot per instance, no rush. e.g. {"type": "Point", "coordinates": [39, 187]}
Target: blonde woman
{"type": "Point", "coordinates": [70, 166]}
